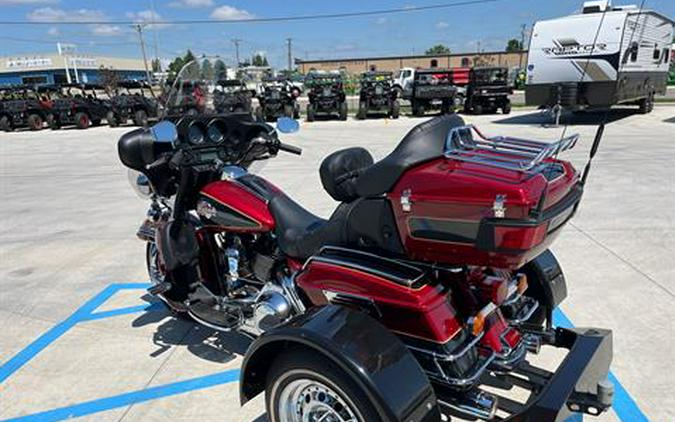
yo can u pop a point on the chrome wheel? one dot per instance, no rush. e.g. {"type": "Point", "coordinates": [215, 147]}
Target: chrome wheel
{"type": "Point", "coordinates": [309, 400]}
{"type": "Point", "coordinates": [154, 271]}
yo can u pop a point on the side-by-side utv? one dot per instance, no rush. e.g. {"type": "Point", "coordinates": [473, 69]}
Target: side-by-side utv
{"type": "Point", "coordinates": [232, 96]}
{"type": "Point", "coordinates": [326, 96]}
{"type": "Point", "coordinates": [22, 107]}
{"type": "Point", "coordinates": [433, 89]}
{"type": "Point", "coordinates": [80, 105]}
{"type": "Point", "coordinates": [277, 98]}
{"type": "Point", "coordinates": [488, 90]}
{"type": "Point", "coordinates": [133, 100]}
{"type": "Point", "coordinates": [377, 95]}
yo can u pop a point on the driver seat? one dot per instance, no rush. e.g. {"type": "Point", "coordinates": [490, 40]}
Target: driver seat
{"type": "Point", "coordinates": [299, 232]}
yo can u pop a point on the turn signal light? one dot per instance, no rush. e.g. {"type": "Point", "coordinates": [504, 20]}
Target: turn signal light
{"type": "Point", "coordinates": [477, 323]}
{"type": "Point", "coordinates": [522, 283]}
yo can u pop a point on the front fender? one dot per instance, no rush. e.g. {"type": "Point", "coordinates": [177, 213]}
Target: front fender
{"type": "Point", "coordinates": [374, 357]}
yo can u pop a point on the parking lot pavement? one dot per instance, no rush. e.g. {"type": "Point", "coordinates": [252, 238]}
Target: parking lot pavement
{"type": "Point", "coordinates": [81, 338]}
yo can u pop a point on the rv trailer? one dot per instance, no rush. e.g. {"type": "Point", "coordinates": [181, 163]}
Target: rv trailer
{"type": "Point", "coordinates": [603, 56]}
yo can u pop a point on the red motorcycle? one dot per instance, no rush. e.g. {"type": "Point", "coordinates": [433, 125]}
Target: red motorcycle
{"type": "Point", "coordinates": [431, 280]}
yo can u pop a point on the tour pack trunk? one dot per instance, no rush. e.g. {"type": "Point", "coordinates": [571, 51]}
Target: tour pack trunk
{"type": "Point", "coordinates": [498, 202]}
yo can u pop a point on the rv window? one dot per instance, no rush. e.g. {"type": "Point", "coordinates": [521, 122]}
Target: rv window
{"type": "Point", "coordinates": [666, 55]}
{"type": "Point", "coordinates": [657, 54]}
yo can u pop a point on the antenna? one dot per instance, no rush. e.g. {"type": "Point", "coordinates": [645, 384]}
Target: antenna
{"type": "Point", "coordinates": [594, 150]}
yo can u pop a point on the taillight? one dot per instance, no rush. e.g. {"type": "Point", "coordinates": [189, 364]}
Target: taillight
{"type": "Point", "coordinates": [494, 289]}
{"type": "Point", "coordinates": [519, 238]}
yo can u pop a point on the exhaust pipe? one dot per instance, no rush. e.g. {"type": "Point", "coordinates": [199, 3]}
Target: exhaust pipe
{"type": "Point", "coordinates": [474, 403]}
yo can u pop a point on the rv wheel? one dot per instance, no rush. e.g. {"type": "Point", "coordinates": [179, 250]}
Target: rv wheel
{"type": "Point", "coordinates": [647, 104]}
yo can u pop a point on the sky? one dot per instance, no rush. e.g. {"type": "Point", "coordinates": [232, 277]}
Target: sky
{"type": "Point", "coordinates": [465, 28]}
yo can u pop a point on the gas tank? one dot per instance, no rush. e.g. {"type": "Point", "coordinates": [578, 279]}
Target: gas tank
{"type": "Point", "coordinates": [237, 205]}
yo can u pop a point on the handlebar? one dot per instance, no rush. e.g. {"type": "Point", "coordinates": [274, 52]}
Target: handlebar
{"type": "Point", "coordinates": [290, 148]}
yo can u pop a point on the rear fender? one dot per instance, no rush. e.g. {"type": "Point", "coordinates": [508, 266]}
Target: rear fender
{"type": "Point", "coordinates": [546, 280]}
{"type": "Point", "coordinates": [374, 357]}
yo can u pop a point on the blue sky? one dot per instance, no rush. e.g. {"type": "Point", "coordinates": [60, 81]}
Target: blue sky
{"type": "Point", "coordinates": [460, 28]}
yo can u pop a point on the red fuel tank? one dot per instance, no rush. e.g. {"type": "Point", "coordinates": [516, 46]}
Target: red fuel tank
{"type": "Point", "coordinates": [232, 206]}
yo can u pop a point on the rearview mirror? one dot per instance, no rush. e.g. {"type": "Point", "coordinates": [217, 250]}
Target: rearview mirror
{"type": "Point", "coordinates": [287, 125]}
{"type": "Point", "coordinates": [164, 132]}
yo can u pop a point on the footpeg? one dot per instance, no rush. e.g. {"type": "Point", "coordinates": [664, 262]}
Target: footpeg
{"type": "Point", "coordinates": [159, 288]}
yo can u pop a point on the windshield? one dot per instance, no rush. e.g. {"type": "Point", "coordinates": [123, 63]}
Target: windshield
{"type": "Point", "coordinates": [192, 92]}
{"type": "Point", "coordinates": [491, 76]}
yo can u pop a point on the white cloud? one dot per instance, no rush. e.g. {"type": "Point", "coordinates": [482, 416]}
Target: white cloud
{"type": "Point", "coordinates": [49, 14]}
{"type": "Point", "coordinates": [106, 30]}
{"type": "Point", "coordinates": [25, 2]}
{"type": "Point", "coordinates": [381, 21]}
{"type": "Point", "coordinates": [187, 4]}
{"type": "Point", "coordinates": [53, 31]}
{"type": "Point", "coordinates": [442, 25]}
{"type": "Point", "coordinates": [230, 13]}
{"type": "Point", "coordinates": [147, 16]}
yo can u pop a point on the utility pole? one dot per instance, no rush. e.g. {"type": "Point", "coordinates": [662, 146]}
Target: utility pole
{"type": "Point", "coordinates": [289, 41]}
{"type": "Point", "coordinates": [154, 36]}
{"type": "Point", "coordinates": [139, 29]}
{"type": "Point", "coordinates": [523, 31]}
{"type": "Point", "coordinates": [236, 42]}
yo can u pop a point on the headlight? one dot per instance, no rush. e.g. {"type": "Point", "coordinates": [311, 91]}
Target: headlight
{"type": "Point", "coordinates": [140, 184]}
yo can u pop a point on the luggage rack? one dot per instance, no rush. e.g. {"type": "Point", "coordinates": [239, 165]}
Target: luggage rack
{"type": "Point", "coordinates": [502, 151]}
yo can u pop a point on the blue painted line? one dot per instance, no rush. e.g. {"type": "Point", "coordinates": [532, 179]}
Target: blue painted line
{"type": "Point", "coordinates": [624, 406]}
{"type": "Point", "coordinates": [37, 346]}
{"type": "Point", "coordinates": [126, 399]}
{"type": "Point", "coordinates": [148, 307]}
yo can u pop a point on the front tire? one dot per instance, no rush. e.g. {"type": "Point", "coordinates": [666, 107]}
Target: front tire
{"type": "Point", "coordinates": [35, 122]}
{"type": "Point", "coordinates": [5, 124]}
{"type": "Point", "coordinates": [343, 111]}
{"type": "Point", "coordinates": [82, 120]}
{"type": "Point", "coordinates": [302, 386]}
{"type": "Point", "coordinates": [141, 118]}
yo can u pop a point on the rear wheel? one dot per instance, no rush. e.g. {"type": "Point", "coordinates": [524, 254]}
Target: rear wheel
{"type": "Point", "coordinates": [35, 122]}
{"type": "Point", "coordinates": [304, 386]}
{"type": "Point", "coordinates": [82, 120]}
{"type": "Point", "coordinates": [310, 113]}
{"type": "Point", "coordinates": [506, 108]}
{"type": "Point", "coordinates": [343, 111]}
{"type": "Point", "coordinates": [647, 104]}
{"type": "Point", "coordinates": [5, 124]}
{"type": "Point", "coordinates": [477, 109]}
{"type": "Point", "coordinates": [141, 118]}
{"type": "Point", "coordinates": [361, 114]}
{"type": "Point", "coordinates": [53, 122]}
{"type": "Point", "coordinates": [395, 110]}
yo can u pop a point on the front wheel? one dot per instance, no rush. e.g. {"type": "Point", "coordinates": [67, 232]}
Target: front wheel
{"type": "Point", "coordinates": [304, 386]}
{"type": "Point", "coordinates": [35, 122]}
{"type": "Point", "coordinates": [5, 124]}
{"type": "Point", "coordinates": [343, 111]}
{"type": "Point", "coordinates": [141, 118]}
{"type": "Point", "coordinates": [395, 109]}
{"type": "Point", "coordinates": [82, 120]}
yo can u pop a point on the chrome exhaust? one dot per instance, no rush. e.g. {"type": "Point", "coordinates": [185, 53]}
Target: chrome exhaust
{"type": "Point", "coordinates": [474, 403]}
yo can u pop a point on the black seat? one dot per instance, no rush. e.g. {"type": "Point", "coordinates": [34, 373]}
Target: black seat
{"type": "Point", "coordinates": [424, 142]}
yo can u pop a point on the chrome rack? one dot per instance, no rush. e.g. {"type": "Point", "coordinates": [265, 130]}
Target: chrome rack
{"type": "Point", "coordinates": [502, 151]}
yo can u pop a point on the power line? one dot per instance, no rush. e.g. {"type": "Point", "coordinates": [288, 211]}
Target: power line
{"type": "Point", "coordinates": [260, 20]}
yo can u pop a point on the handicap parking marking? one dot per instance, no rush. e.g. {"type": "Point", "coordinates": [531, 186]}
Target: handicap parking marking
{"type": "Point", "coordinates": [625, 407]}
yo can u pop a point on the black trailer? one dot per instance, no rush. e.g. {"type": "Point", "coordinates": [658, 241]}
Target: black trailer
{"type": "Point", "coordinates": [433, 89]}
{"type": "Point", "coordinates": [377, 96]}
{"type": "Point", "coordinates": [133, 100]}
{"type": "Point", "coordinates": [326, 96]}
{"type": "Point", "coordinates": [488, 90]}
{"type": "Point", "coordinates": [22, 107]}
{"type": "Point", "coordinates": [80, 105]}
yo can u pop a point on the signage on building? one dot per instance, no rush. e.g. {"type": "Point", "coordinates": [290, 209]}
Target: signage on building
{"type": "Point", "coordinates": [28, 62]}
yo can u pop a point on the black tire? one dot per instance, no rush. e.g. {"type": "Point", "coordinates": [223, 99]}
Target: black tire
{"type": "Point", "coordinates": [646, 105]}
{"type": "Point", "coordinates": [111, 119]}
{"type": "Point", "coordinates": [343, 111]}
{"type": "Point", "coordinates": [296, 111]}
{"type": "Point", "coordinates": [477, 109]}
{"type": "Point", "coordinates": [363, 111]}
{"type": "Point", "coordinates": [310, 113]}
{"type": "Point", "coordinates": [141, 118]}
{"type": "Point", "coordinates": [395, 110]}
{"type": "Point", "coordinates": [82, 120]}
{"type": "Point", "coordinates": [399, 91]}
{"type": "Point", "coordinates": [295, 366]}
{"type": "Point", "coordinates": [96, 122]}
{"type": "Point", "coordinates": [288, 111]}
{"type": "Point", "coordinates": [506, 108]}
{"type": "Point", "coordinates": [5, 124]}
{"type": "Point", "coordinates": [419, 110]}
{"type": "Point", "coordinates": [35, 122]}
{"type": "Point", "coordinates": [53, 122]}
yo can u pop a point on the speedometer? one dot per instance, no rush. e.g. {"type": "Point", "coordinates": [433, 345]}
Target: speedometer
{"type": "Point", "coordinates": [195, 135]}
{"type": "Point", "coordinates": [215, 134]}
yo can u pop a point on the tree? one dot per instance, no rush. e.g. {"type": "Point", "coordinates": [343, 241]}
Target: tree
{"type": "Point", "coordinates": [259, 60]}
{"type": "Point", "coordinates": [189, 57]}
{"type": "Point", "coordinates": [220, 69]}
{"type": "Point", "coordinates": [207, 69]}
{"type": "Point", "coordinates": [156, 65]}
{"type": "Point", "coordinates": [514, 46]}
{"type": "Point", "coordinates": [437, 50]}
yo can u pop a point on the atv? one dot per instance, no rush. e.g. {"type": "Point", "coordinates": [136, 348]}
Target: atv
{"type": "Point", "coordinates": [377, 95]}
{"type": "Point", "coordinates": [326, 96]}
{"type": "Point", "coordinates": [232, 96]}
{"type": "Point", "coordinates": [133, 100]}
{"type": "Point", "coordinates": [22, 107]}
{"type": "Point", "coordinates": [433, 89]}
{"type": "Point", "coordinates": [277, 98]}
{"type": "Point", "coordinates": [80, 105]}
{"type": "Point", "coordinates": [188, 99]}
{"type": "Point", "coordinates": [488, 90]}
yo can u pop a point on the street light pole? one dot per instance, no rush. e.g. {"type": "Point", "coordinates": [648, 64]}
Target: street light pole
{"type": "Point", "coordinates": [139, 29]}
{"type": "Point", "coordinates": [236, 42]}
{"type": "Point", "coordinates": [289, 41]}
